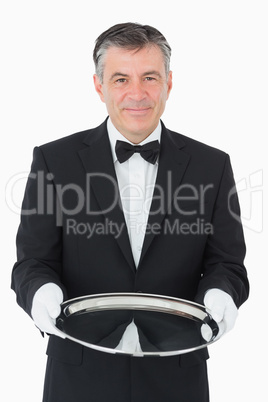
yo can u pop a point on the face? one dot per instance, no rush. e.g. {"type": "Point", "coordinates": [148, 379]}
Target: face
{"type": "Point", "coordinates": [135, 89]}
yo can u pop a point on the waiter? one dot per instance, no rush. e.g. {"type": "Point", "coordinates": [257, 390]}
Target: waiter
{"type": "Point", "coordinates": [129, 206]}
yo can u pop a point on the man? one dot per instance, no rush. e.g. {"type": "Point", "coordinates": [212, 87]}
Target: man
{"type": "Point", "coordinates": [172, 228]}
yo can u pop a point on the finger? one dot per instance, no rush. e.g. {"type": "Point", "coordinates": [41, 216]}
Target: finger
{"type": "Point", "coordinates": [222, 329]}
{"type": "Point", "coordinates": [230, 317]}
{"type": "Point", "coordinates": [206, 332]}
{"type": "Point", "coordinates": [53, 308]}
{"type": "Point", "coordinates": [47, 325]}
{"type": "Point", "coordinates": [217, 312]}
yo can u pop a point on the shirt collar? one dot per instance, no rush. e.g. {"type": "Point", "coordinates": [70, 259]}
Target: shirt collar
{"type": "Point", "coordinates": [115, 135]}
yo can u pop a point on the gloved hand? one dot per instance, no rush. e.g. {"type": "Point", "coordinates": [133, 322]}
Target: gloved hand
{"type": "Point", "coordinates": [222, 309]}
{"type": "Point", "coordinates": [46, 308]}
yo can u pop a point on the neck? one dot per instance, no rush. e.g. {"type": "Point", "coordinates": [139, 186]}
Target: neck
{"type": "Point", "coordinates": [136, 138]}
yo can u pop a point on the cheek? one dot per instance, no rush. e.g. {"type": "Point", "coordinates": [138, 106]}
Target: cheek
{"type": "Point", "coordinates": [161, 102]}
{"type": "Point", "coordinates": [114, 100]}
{"type": "Point", "coordinates": [159, 96]}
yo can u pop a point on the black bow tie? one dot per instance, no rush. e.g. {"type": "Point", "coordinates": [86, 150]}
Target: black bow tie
{"type": "Point", "coordinates": [149, 151]}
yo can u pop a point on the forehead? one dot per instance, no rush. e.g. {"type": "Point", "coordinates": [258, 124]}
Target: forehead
{"type": "Point", "coordinates": [145, 59]}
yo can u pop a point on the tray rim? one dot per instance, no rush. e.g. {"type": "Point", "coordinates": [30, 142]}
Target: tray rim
{"type": "Point", "coordinates": [157, 299]}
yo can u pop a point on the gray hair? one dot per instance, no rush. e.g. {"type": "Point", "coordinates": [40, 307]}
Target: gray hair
{"type": "Point", "coordinates": [129, 36]}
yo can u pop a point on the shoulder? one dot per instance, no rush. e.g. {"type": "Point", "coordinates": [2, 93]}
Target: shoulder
{"type": "Point", "coordinates": [74, 142]}
{"type": "Point", "coordinates": [192, 146]}
{"type": "Point", "coordinates": [207, 160]}
{"type": "Point", "coordinates": [198, 151]}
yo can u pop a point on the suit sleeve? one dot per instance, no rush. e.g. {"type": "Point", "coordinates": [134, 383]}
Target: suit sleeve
{"type": "Point", "coordinates": [223, 264]}
{"type": "Point", "coordinates": [39, 237]}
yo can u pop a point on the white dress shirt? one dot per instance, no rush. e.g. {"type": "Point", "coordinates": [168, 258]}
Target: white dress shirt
{"type": "Point", "coordinates": [136, 180]}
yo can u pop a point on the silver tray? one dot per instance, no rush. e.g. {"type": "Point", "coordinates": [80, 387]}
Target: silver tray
{"type": "Point", "coordinates": [155, 325]}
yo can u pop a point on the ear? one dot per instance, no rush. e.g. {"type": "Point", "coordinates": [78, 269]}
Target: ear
{"type": "Point", "coordinates": [169, 83]}
{"type": "Point", "coordinates": [98, 87]}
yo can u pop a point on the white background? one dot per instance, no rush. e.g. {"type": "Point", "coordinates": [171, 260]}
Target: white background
{"type": "Point", "coordinates": [220, 97]}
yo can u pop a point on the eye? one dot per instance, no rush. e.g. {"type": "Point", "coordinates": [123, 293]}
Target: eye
{"type": "Point", "coordinates": [149, 78]}
{"type": "Point", "coordinates": [121, 80]}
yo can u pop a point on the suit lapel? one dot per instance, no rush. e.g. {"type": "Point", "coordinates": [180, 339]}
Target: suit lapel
{"type": "Point", "coordinates": [97, 160]}
{"type": "Point", "coordinates": [172, 165]}
{"type": "Point", "coordinates": [98, 163]}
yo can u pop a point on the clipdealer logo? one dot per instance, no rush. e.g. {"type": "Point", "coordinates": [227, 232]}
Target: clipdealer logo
{"type": "Point", "coordinates": [51, 198]}
{"type": "Point", "coordinates": [250, 192]}
{"type": "Point", "coordinates": [108, 227]}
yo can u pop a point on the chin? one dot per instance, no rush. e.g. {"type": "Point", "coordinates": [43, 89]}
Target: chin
{"type": "Point", "coordinates": [139, 128]}
{"type": "Point", "coordinates": [139, 134]}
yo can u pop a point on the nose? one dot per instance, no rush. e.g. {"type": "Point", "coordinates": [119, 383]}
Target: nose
{"type": "Point", "coordinates": [137, 91]}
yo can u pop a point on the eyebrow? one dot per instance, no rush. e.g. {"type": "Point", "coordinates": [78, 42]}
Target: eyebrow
{"type": "Point", "coordinates": [118, 74]}
{"type": "Point", "coordinates": [153, 72]}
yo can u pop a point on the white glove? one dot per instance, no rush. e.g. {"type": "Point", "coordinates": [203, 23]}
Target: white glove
{"type": "Point", "coordinates": [46, 308]}
{"type": "Point", "coordinates": [222, 309]}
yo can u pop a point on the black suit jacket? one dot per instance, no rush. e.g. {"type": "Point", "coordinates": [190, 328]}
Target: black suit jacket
{"type": "Point", "coordinates": [194, 239]}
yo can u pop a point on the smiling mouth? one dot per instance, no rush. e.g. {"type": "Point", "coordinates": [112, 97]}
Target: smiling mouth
{"type": "Point", "coordinates": [138, 111]}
